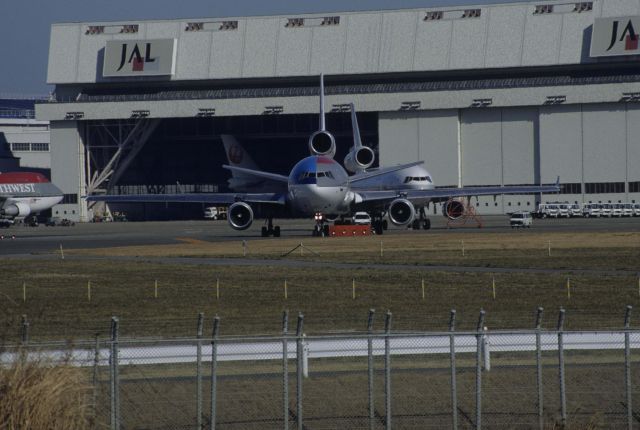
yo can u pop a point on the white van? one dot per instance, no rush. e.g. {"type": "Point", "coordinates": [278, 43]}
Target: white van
{"type": "Point", "coordinates": [216, 213]}
{"type": "Point", "coordinates": [521, 219]}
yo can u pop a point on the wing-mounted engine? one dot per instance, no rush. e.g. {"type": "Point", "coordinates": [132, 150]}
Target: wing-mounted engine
{"type": "Point", "coordinates": [240, 216]}
{"type": "Point", "coordinates": [453, 209]}
{"type": "Point", "coordinates": [359, 159]}
{"type": "Point", "coordinates": [322, 143]}
{"type": "Point", "coordinates": [17, 209]}
{"type": "Point", "coordinates": [401, 212]}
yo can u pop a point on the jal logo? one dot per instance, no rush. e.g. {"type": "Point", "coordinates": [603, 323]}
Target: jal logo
{"type": "Point", "coordinates": [628, 35]}
{"type": "Point", "coordinates": [235, 154]}
{"type": "Point", "coordinates": [135, 57]}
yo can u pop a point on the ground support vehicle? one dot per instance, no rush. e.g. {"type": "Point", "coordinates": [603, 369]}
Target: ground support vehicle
{"type": "Point", "coordinates": [521, 219]}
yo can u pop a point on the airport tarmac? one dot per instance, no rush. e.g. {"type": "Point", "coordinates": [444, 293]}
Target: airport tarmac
{"type": "Point", "coordinates": [21, 240]}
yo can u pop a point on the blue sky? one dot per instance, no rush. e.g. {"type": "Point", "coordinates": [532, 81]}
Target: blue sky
{"type": "Point", "coordinates": [25, 25]}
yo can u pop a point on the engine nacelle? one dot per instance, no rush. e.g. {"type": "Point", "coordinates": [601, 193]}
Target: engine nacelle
{"type": "Point", "coordinates": [322, 143]}
{"type": "Point", "coordinates": [17, 209]}
{"type": "Point", "coordinates": [453, 209]}
{"type": "Point", "coordinates": [240, 216]}
{"type": "Point", "coordinates": [401, 212]}
{"type": "Point", "coordinates": [359, 160]}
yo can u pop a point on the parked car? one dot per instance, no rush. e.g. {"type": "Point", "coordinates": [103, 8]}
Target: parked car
{"type": "Point", "coordinates": [54, 221]}
{"type": "Point", "coordinates": [216, 213]}
{"type": "Point", "coordinates": [521, 219]}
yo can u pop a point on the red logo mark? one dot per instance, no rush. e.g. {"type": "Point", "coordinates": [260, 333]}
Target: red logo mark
{"type": "Point", "coordinates": [631, 43]}
{"type": "Point", "coordinates": [235, 154]}
{"type": "Point", "coordinates": [138, 64]}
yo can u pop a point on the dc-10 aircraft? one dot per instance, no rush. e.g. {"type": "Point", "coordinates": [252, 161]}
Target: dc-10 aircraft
{"type": "Point", "coordinates": [318, 184]}
{"type": "Point", "coordinates": [25, 193]}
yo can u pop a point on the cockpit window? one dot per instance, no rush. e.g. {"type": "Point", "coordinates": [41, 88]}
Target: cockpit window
{"type": "Point", "coordinates": [306, 175]}
{"type": "Point", "coordinates": [417, 179]}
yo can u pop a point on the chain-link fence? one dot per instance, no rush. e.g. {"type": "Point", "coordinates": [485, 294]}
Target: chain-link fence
{"type": "Point", "coordinates": [544, 378]}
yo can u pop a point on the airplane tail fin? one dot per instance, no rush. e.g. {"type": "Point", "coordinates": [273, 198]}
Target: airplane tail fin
{"type": "Point", "coordinates": [357, 140]}
{"type": "Point", "coordinates": [237, 156]}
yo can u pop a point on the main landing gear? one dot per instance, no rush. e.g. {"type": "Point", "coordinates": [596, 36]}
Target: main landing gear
{"type": "Point", "coordinates": [269, 229]}
{"type": "Point", "coordinates": [378, 224]}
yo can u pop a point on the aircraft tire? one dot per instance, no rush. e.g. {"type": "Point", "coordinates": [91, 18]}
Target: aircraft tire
{"type": "Point", "coordinates": [415, 224]}
{"type": "Point", "coordinates": [385, 224]}
{"type": "Point", "coordinates": [276, 231]}
{"type": "Point", "coordinates": [264, 232]}
{"type": "Point", "coordinates": [426, 224]}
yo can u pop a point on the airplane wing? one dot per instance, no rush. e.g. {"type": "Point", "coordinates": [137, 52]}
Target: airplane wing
{"type": "Point", "coordinates": [383, 171]}
{"type": "Point", "coordinates": [259, 173]}
{"type": "Point", "coordinates": [217, 198]}
{"type": "Point", "coordinates": [443, 194]}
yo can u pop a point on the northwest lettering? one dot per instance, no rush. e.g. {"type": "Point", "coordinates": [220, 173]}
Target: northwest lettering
{"type": "Point", "coordinates": [17, 188]}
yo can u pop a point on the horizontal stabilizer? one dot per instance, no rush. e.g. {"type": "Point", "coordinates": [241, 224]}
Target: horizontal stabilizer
{"type": "Point", "coordinates": [258, 173]}
{"type": "Point", "coordinates": [382, 171]}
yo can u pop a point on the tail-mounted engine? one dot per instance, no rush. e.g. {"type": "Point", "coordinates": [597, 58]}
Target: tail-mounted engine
{"type": "Point", "coordinates": [453, 209]}
{"type": "Point", "coordinates": [322, 143]}
{"type": "Point", "coordinates": [359, 159]}
{"type": "Point", "coordinates": [17, 209]}
{"type": "Point", "coordinates": [401, 212]}
{"type": "Point", "coordinates": [240, 216]}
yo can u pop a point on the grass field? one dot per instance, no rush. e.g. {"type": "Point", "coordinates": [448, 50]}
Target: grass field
{"type": "Point", "coordinates": [54, 293]}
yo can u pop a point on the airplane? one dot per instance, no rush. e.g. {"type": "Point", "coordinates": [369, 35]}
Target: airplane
{"type": "Point", "coordinates": [318, 184]}
{"type": "Point", "coordinates": [25, 193]}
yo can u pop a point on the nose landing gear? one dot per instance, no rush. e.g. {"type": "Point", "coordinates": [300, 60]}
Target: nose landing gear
{"type": "Point", "coordinates": [321, 228]}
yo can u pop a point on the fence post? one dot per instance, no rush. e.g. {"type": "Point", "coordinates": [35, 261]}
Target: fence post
{"type": "Point", "coordinates": [452, 349]}
{"type": "Point", "coordinates": [299, 370]}
{"type": "Point", "coordinates": [199, 372]}
{"type": "Point", "coordinates": [539, 368]}
{"type": "Point", "coordinates": [94, 378]}
{"type": "Point", "coordinates": [214, 369]}
{"type": "Point", "coordinates": [479, 334]}
{"type": "Point", "coordinates": [372, 417]}
{"type": "Point", "coordinates": [387, 370]}
{"type": "Point", "coordinates": [563, 397]}
{"type": "Point", "coordinates": [285, 370]}
{"type": "Point", "coordinates": [113, 362]}
{"type": "Point", "coordinates": [627, 366]}
{"type": "Point", "coordinates": [24, 330]}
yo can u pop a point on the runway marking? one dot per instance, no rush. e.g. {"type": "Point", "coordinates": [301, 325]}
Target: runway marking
{"type": "Point", "coordinates": [191, 240]}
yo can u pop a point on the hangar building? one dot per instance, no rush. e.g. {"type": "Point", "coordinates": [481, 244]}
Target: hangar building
{"type": "Point", "coordinates": [498, 94]}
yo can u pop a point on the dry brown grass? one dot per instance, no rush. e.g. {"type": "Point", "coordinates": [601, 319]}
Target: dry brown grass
{"type": "Point", "coordinates": [35, 394]}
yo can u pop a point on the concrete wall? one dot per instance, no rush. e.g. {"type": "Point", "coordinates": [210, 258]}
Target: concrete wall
{"type": "Point", "coordinates": [67, 166]}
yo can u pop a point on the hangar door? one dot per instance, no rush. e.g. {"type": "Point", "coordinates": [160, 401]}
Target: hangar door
{"type": "Point", "coordinates": [500, 147]}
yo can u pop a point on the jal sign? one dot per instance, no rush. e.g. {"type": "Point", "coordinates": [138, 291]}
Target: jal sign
{"type": "Point", "coordinates": [139, 57]}
{"type": "Point", "coordinates": [615, 36]}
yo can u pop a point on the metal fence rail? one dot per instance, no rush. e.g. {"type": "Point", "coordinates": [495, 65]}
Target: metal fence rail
{"type": "Point", "coordinates": [375, 379]}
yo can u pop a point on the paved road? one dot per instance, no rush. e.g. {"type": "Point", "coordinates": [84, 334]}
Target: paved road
{"type": "Point", "coordinates": [37, 240]}
{"type": "Point", "coordinates": [171, 352]}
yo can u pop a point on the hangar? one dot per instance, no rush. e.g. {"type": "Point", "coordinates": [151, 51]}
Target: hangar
{"type": "Point", "coordinates": [491, 94]}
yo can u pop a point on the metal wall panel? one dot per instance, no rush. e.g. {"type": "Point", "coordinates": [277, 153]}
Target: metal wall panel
{"type": "Point", "coordinates": [398, 138]}
{"type": "Point", "coordinates": [64, 155]}
{"type": "Point", "coordinates": [328, 49]}
{"type": "Point", "coordinates": [438, 145]}
{"type": "Point", "coordinates": [398, 41]}
{"type": "Point", "coordinates": [541, 39]}
{"type": "Point", "coordinates": [164, 30]}
{"type": "Point", "coordinates": [520, 157]}
{"type": "Point", "coordinates": [363, 42]}
{"type": "Point", "coordinates": [614, 8]}
{"type": "Point", "coordinates": [193, 55]}
{"type": "Point", "coordinates": [294, 50]}
{"type": "Point", "coordinates": [63, 53]}
{"type": "Point", "coordinates": [561, 143]}
{"type": "Point", "coordinates": [227, 52]}
{"type": "Point", "coordinates": [480, 136]}
{"type": "Point", "coordinates": [468, 43]}
{"type": "Point", "coordinates": [574, 42]}
{"type": "Point", "coordinates": [604, 142]}
{"type": "Point", "coordinates": [433, 39]}
{"type": "Point", "coordinates": [260, 47]}
{"type": "Point", "coordinates": [633, 142]}
{"type": "Point", "coordinates": [504, 40]}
